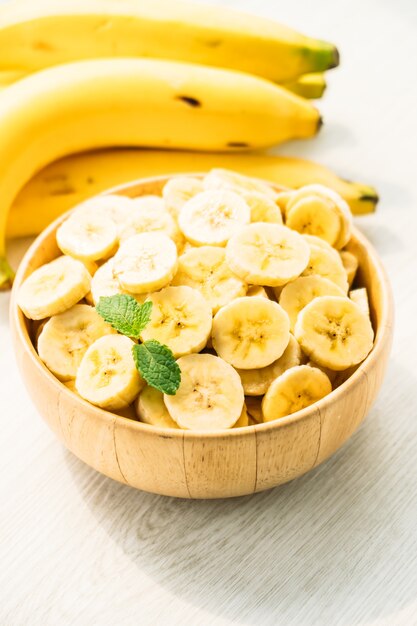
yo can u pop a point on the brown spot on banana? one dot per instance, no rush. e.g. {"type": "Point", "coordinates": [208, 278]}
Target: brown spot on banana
{"type": "Point", "coordinates": [237, 144]}
{"type": "Point", "coordinates": [213, 43]}
{"type": "Point", "coordinates": [192, 102]}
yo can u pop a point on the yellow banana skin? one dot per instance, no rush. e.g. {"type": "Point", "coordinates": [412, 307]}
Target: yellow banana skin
{"type": "Point", "coordinates": [311, 86]}
{"type": "Point", "coordinates": [137, 102]}
{"type": "Point", "coordinates": [9, 77]}
{"type": "Point", "coordinates": [73, 179]}
{"type": "Point", "coordinates": [41, 33]}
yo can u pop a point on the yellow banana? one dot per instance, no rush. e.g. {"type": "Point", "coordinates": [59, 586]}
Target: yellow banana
{"type": "Point", "coordinates": [310, 86]}
{"type": "Point", "coordinates": [136, 102]}
{"type": "Point", "coordinates": [35, 35]}
{"type": "Point", "coordinates": [9, 77]}
{"type": "Point", "coordinates": [71, 180]}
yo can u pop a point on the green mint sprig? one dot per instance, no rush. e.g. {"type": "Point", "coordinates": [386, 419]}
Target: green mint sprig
{"type": "Point", "coordinates": [154, 361]}
{"type": "Point", "coordinates": [125, 314]}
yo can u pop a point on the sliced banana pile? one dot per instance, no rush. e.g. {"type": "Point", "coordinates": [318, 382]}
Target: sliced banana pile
{"type": "Point", "coordinates": [252, 290]}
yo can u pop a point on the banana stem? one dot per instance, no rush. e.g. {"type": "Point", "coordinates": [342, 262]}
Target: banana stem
{"type": "Point", "coordinates": [6, 274]}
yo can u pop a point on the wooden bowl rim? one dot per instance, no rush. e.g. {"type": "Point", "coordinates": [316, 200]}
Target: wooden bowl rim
{"type": "Point", "coordinates": [382, 335]}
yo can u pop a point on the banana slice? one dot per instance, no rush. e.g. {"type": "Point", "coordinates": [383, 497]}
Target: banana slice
{"type": "Point", "coordinates": [297, 294]}
{"type": "Point", "coordinates": [188, 246]}
{"type": "Point", "coordinates": [210, 218]}
{"type": "Point", "coordinates": [148, 202]}
{"type": "Point", "coordinates": [345, 214]}
{"type": "Point", "coordinates": [267, 254]}
{"type": "Point", "coordinates": [148, 216]}
{"type": "Point", "coordinates": [53, 288]}
{"type": "Point", "coordinates": [150, 409]}
{"type": "Point", "coordinates": [90, 266]}
{"type": "Point", "coordinates": [87, 236]}
{"type": "Point", "coordinates": [331, 374]}
{"type": "Point", "coordinates": [116, 208]}
{"type": "Point", "coordinates": [107, 376]}
{"type": "Point", "coordinates": [65, 338]}
{"type": "Point", "coordinates": [178, 190]}
{"type": "Point", "coordinates": [206, 269]}
{"type": "Point", "coordinates": [325, 264]}
{"type": "Point", "coordinates": [220, 178]}
{"type": "Point", "coordinates": [262, 208]}
{"type": "Point", "coordinates": [351, 264]}
{"type": "Point", "coordinates": [316, 241]}
{"type": "Point", "coordinates": [294, 390]}
{"type": "Point", "coordinates": [257, 381]}
{"type": "Point", "coordinates": [254, 408]}
{"type": "Point", "coordinates": [210, 396]}
{"type": "Point", "coordinates": [243, 419]}
{"type": "Point", "coordinates": [181, 319]}
{"type": "Point", "coordinates": [105, 283]}
{"type": "Point", "coordinates": [334, 332]}
{"type": "Point", "coordinates": [360, 297]}
{"type": "Point", "coordinates": [282, 199]}
{"type": "Point", "coordinates": [127, 411]}
{"type": "Point", "coordinates": [314, 215]}
{"type": "Point", "coordinates": [250, 332]}
{"type": "Point", "coordinates": [145, 262]}
{"type": "Point", "coordinates": [338, 204]}
{"type": "Point", "coordinates": [257, 290]}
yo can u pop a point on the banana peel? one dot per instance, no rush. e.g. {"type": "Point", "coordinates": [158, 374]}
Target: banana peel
{"type": "Point", "coordinates": [71, 180]}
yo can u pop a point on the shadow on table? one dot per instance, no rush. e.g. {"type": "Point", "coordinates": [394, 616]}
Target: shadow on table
{"type": "Point", "coordinates": [318, 550]}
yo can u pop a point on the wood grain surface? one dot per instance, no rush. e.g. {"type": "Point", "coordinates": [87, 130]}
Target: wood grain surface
{"type": "Point", "coordinates": [337, 547]}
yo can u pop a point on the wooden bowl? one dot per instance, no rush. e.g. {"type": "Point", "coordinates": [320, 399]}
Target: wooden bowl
{"type": "Point", "coordinates": [190, 464]}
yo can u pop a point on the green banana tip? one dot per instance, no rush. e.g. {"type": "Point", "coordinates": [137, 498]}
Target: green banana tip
{"type": "Point", "coordinates": [366, 193]}
{"type": "Point", "coordinates": [370, 196]}
{"type": "Point", "coordinates": [321, 55]}
{"type": "Point", "coordinates": [335, 58]}
{"type": "Point", "coordinates": [6, 274]}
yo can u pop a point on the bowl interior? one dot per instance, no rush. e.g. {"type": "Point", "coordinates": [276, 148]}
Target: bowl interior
{"type": "Point", "coordinates": [370, 275]}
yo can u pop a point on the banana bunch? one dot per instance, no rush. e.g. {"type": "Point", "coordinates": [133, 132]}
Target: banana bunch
{"type": "Point", "coordinates": [137, 102]}
{"type": "Point", "coordinates": [249, 289]}
{"type": "Point", "coordinates": [77, 76]}
{"type": "Point", "coordinates": [84, 75]}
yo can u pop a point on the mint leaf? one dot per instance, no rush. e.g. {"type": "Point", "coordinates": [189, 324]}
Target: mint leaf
{"type": "Point", "coordinates": [125, 314]}
{"type": "Point", "coordinates": [157, 366]}
{"type": "Point", "coordinates": [154, 361]}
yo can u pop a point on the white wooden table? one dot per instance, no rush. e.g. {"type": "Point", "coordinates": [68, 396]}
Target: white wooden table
{"type": "Point", "coordinates": [337, 547]}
